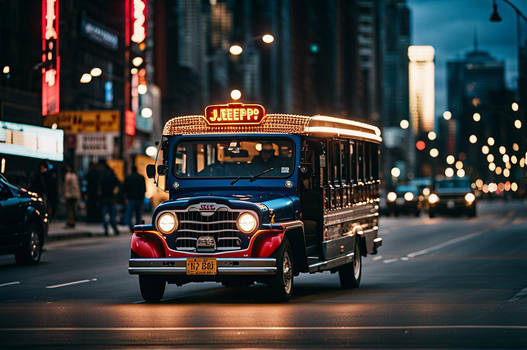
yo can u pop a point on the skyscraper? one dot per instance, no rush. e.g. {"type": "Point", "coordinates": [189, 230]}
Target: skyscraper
{"type": "Point", "coordinates": [421, 88]}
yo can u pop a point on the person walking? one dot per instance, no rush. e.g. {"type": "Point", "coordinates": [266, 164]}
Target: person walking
{"type": "Point", "coordinates": [72, 194]}
{"type": "Point", "coordinates": [93, 210]}
{"type": "Point", "coordinates": [108, 188]}
{"type": "Point", "coordinates": [134, 192]}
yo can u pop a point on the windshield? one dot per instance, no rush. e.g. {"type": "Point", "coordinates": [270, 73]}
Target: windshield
{"type": "Point", "coordinates": [234, 158]}
{"type": "Point", "coordinates": [453, 183]}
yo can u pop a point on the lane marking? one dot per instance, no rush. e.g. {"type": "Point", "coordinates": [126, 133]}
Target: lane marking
{"type": "Point", "coordinates": [9, 284]}
{"type": "Point", "coordinates": [264, 328]}
{"type": "Point", "coordinates": [404, 258]}
{"type": "Point", "coordinates": [457, 240]}
{"type": "Point", "coordinates": [518, 295]}
{"type": "Point", "coordinates": [67, 284]}
{"type": "Point", "coordinates": [388, 261]}
{"type": "Point", "coordinates": [378, 257]}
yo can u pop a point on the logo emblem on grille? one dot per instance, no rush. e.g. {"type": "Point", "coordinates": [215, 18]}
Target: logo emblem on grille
{"type": "Point", "coordinates": [206, 243]}
{"type": "Point", "coordinates": [207, 207]}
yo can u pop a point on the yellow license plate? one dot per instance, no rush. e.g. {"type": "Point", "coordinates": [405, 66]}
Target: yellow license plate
{"type": "Point", "coordinates": [202, 266]}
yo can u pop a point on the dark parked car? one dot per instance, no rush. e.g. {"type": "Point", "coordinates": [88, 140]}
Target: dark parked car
{"type": "Point", "coordinates": [23, 223]}
{"type": "Point", "coordinates": [452, 196]}
{"type": "Point", "coordinates": [405, 199]}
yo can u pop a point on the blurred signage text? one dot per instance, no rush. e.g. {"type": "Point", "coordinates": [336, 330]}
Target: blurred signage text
{"type": "Point", "coordinates": [50, 59]}
{"type": "Point", "coordinates": [98, 33]}
{"type": "Point", "coordinates": [234, 114]}
{"type": "Point", "coordinates": [31, 141]}
{"type": "Point", "coordinates": [85, 121]}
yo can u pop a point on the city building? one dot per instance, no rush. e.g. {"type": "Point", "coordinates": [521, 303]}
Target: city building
{"type": "Point", "coordinates": [421, 88]}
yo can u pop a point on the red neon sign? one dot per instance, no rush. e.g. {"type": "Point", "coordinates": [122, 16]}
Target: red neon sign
{"type": "Point", "coordinates": [129, 123]}
{"type": "Point", "coordinates": [50, 57]}
{"type": "Point", "coordinates": [138, 21]}
{"type": "Point", "coordinates": [234, 114]}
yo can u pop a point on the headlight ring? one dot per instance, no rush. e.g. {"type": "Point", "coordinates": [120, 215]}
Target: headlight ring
{"type": "Point", "coordinates": [167, 223]}
{"type": "Point", "coordinates": [247, 222]}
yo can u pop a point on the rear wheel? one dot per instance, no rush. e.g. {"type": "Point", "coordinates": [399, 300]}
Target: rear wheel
{"type": "Point", "coordinates": [282, 282]}
{"type": "Point", "coordinates": [30, 253]}
{"type": "Point", "coordinates": [350, 274]}
{"type": "Point", "coordinates": [152, 287]}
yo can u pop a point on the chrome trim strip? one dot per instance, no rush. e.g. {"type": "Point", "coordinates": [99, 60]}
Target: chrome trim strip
{"type": "Point", "coordinates": [330, 264]}
{"type": "Point", "coordinates": [208, 222]}
{"type": "Point", "coordinates": [205, 232]}
{"type": "Point", "coordinates": [226, 266]}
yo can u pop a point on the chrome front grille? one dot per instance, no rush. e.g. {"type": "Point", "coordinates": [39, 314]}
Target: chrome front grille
{"type": "Point", "coordinates": [220, 224]}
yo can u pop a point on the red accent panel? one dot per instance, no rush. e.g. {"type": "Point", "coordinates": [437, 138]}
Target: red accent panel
{"type": "Point", "coordinates": [265, 245]}
{"type": "Point", "coordinates": [147, 246]}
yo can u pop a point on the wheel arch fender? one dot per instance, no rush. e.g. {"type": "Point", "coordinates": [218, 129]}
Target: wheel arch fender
{"type": "Point", "coordinates": [296, 237]}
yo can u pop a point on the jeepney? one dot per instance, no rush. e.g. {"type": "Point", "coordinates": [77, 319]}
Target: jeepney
{"type": "Point", "coordinates": [256, 197]}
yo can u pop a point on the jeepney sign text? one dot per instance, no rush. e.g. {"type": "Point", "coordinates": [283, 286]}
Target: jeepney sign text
{"type": "Point", "coordinates": [234, 114]}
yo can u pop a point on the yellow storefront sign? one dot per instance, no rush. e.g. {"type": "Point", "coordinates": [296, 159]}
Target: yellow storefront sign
{"type": "Point", "coordinates": [85, 121]}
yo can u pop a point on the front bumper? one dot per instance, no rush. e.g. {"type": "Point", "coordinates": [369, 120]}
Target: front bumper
{"type": "Point", "coordinates": [226, 266]}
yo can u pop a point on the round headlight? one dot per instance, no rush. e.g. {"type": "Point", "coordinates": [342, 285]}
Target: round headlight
{"type": "Point", "coordinates": [392, 196]}
{"type": "Point", "coordinates": [247, 222]}
{"type": "Point", "coordinates": [167, 223]}
{"type": "Point", "coordinates": [408, 196]}
{"type": "Point", "coordinates": [433, 198]}
{"type": "Point", "coordinates": [469, 197]}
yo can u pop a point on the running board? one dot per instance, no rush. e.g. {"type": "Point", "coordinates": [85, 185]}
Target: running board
{"type": "Point", "coordinates": [331, 264]}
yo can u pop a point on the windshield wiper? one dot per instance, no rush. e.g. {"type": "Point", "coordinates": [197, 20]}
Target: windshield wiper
{"type": "Point", "coordinates": [252, 178]}
{"type": "Point", "coordinates": [235, 180]}
{"type": "Point", "coordinates": [260, 174]}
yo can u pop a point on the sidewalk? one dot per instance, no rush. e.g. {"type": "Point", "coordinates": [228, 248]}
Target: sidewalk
{"type": "Point", "coordinates": [58, 230]}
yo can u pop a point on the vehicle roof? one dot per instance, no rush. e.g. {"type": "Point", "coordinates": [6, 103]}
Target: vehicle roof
{"type": "Point", "coordinates": [319, 125]}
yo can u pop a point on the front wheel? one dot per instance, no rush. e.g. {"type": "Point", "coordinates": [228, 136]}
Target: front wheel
{"type": "Point", "coordinates": [152, 287]}
{"type": "Point", "coordinates": [351, 273]}
{"type": "Point", "coordinates": [282, 283]}
{"type": "Point", "coordinates": [30, 253]}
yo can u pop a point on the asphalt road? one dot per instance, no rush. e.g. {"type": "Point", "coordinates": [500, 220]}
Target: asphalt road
{"type": "Point", "coordinates": [447, 282]}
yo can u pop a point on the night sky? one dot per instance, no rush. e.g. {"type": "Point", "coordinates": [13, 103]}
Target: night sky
{"type": "Point", "coordinates": [448, 25]}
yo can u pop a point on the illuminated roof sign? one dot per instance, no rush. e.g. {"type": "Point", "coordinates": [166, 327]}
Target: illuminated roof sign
{"type": "Point", "coordinates": [234, 118]}
{"type": "Point", "coordinates": [234, 114]}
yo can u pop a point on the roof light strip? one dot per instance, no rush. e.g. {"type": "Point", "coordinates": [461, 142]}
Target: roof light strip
{"type": "Point", "coordinates": [348, 122]}
{"type": "Point", "coordinates": [338, 132]}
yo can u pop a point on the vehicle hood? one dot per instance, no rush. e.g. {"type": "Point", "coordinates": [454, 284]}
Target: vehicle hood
{"type": "Point", "coordinates": [267, 204]}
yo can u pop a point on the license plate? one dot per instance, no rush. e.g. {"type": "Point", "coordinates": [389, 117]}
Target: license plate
{"type": "Point", "coordinates": [450, 204]}
{"type": "Point", "coordinates": [202, 266]}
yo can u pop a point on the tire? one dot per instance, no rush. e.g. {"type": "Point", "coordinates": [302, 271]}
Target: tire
{"type": "Point", "coordinates": [31, 252]}
{"type": "Point", "coordinates": [152, 287]}
{"type": "Point", "coordinates": [351, 273]}
{"type": "Point", "coordinates": [282, 283]}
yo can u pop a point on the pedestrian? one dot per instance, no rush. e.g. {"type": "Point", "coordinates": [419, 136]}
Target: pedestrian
{"type": "Point", "coordinates": [52, 190]}
{"type": "Point", "coordinates": [108, 188]}
{"type": "Point", "coordinates": [37, 183]}
{"type": "Point", "coordinates": [72, 194]}
{"type": "Point", "coordinates": [134, 192]}
{"type": "Point", "coordinates": [93, 210]}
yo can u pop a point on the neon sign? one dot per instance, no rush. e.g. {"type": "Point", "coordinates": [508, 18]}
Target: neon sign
{"type": "Point", "coordinates": [50, 58]}
{"type": "Point", "coordinates": [138, 21]}
{"type": "Point", "coordinates": [234, 114]}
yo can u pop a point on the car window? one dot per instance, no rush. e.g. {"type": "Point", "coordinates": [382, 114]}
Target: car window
{"type": "Point", "coordinates": [5, 192]}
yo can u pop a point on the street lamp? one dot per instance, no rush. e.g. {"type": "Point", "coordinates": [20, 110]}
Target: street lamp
{"type": "Point", "coordinates": [236, 94]}
{"type": "Point", "coordinates": [476, 116]}
{"type": "Point", "coordinates": [85, 78]}
{"type": "Point", "coordinates": [495, 17]}
{"type": "Point", "coordinates": [515, 106]}
{"type": "Point", "coordinates": [268, 38]}
{"type": "Point", "coordinates": [236, 49]}
{"type": "Point", "coordinates": [96, 72]}
{"type": "Point", "coordinates": [447, 115]}
{"type": "Point", "coordinates": [404, 124]}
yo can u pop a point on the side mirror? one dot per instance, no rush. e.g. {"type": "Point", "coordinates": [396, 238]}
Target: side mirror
{"type": "Point", "coordinates": [162, 169]}
{"type": "Point", "coordinates": [151, 171]}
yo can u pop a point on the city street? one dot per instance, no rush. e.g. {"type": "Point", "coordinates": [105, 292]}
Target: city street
{"type": "Point", "coordinates": [442, 282]}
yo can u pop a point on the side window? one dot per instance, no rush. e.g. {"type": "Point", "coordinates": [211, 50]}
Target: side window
{"type": "Point", "coordinates": [344, 161]}
{"type": "Point", "coordinates": [360, 161]}
{"type": "Point", "coordinates": [353, 161]}
{"type": "Point", "coordinates": [367, 161]}
{"type": "Point", "coordinates": [375, 161]}
{"type": "Point", "coordinates": [5, 193]}
{"type": "Point", "coordinates": [337, 170]}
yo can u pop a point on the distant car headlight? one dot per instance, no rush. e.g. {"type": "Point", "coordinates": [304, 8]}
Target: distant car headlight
{"type": "Point", "coordinates": [167, 223]}
{"type": "Point", "coordinates": [392, 196]}
{"type": "Point", "coordinates": [408, 196]}
{"type": "Point", "coordinates": [247, 222]}
{"type": "Point", "coordinates": [469, 197]}
{"type": "Point", "coordinates": [433, 198]}
{"type": "Point", "coordinates": [426, 191]}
